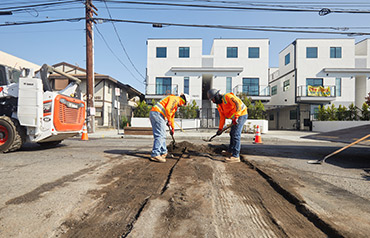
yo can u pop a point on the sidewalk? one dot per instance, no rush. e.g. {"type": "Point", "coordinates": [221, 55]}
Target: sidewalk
{"type": "Point", "coordinates": [272, 136]}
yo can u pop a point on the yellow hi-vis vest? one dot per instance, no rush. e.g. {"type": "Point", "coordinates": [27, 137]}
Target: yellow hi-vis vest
{"type": "Point", "coordinates": [231, 108]}
{"type": "Point", "coordinates": [168, 107]}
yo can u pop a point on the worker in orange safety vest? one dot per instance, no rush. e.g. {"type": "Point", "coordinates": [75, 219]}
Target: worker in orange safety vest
{"type": "Point", "coordinates": [231, 107]}
{"type": "Point", "coordinates": [163, 111]}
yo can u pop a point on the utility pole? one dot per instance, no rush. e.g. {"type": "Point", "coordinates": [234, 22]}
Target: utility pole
{"type": "Point", "coordinates": [90, 81]}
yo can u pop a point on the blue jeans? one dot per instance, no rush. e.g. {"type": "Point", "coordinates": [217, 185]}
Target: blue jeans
{"type": "Point", "coordinates": [159, 133]}
{"type": "Point", "coordinates": [235, 136]}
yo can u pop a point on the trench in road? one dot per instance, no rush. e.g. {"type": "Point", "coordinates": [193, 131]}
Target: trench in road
{"type": "Point", "coordinates": [139, 183]}
{"type": "Point", "coordinates": [164, 188]}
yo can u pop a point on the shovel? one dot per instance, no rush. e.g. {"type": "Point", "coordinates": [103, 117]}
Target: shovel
{"type": "Point", "coordinates": [320, 161]}
{"type": "Point", "coordinates": [224, 129]}
{"type": "Point", "coordinates": [173, 139]}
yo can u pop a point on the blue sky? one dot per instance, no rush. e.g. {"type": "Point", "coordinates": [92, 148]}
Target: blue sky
{"type": "Point", "coordinates": [52, 43]}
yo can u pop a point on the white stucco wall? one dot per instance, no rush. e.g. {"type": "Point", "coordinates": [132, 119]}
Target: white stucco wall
{"type": "Point", "coordinates": [326, 126]}
{"type": "Point", "coordinates": [252, 67]}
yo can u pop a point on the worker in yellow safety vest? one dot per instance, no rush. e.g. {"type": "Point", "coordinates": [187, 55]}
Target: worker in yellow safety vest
{"type": "Point", "coordinates": [231, 107]}
{"type": "Point", "coordinates": [163, 111]}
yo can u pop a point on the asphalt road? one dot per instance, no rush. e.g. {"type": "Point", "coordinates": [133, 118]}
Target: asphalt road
{"type": "Point", "coordinates": [77, 190]}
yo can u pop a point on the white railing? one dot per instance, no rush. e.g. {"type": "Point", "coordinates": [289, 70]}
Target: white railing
{"type": "Point", "coordinates": [156, 89]}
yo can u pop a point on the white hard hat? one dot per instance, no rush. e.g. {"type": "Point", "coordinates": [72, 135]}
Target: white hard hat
{"type": "Point", "coordinates": [186, 97]}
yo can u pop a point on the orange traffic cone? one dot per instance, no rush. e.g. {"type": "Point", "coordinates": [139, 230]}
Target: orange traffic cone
{"type": "Point", "coordinates": [84, 133]}
{"type": "Point", "coordinates": [257, 138]}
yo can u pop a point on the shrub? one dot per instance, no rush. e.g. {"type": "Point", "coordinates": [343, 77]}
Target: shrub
{"type": "Point", "coordinates": [322, 115]}
{"type": "Point", "coordinates": [332, 113]}
{"type": "Point", "coordinates": [189, 111]}
{"type": "Point", "coordinates": [351, 116]}
{"type": "Point", "coordinates": [341, 113]}
{"type": "Point", "coordinates": [124, 121]}
{"type": "Point", "coordinates": [256, 110]}
{"type": "Point", "coordinates": [365, 112]}
{"type": "Point", "coordinates": [142, 109]}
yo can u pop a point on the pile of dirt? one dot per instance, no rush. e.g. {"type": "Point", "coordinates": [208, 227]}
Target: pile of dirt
{"type": "Point", "coordinates": [193, 149]}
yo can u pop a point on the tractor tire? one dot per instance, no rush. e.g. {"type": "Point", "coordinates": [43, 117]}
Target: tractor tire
{"type": "Point", "coordinates": [12, 135]}
{"type": "Point", "coordinates": [20, 136]}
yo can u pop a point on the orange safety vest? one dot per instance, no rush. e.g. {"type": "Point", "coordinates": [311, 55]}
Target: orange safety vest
{"type": "Point", "coordinates": [231, 108]}
{"type": "Point", "coordinates": [168, 107]}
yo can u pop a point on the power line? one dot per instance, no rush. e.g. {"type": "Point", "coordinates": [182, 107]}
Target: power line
{"type": "Point", "coordinates": [121, 43]}
{"type": "Point", "coordinates": [42, 22]}
{"type": "Point", "coordinates": [18, 8]}
{"type": "Point", "coordinates": [160, 24]}
{"type": "Point", "coordinates": [110, 49]}
{"type": "Point", "coordinates": [236, 7]}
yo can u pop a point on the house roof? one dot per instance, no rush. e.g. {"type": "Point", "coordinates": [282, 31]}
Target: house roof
{"type": "Point", "coordinates": [75, 68]}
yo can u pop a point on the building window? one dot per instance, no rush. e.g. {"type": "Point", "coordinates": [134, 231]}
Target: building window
{"type": "Point", "coordinates": [253, 52]}
{"type": "Point", "coordinates": [274, 90]}
{"type": "Point", "coordinates": [315, 111]}
{"type": "Point", "coordinates": [311, 52]}
{"type": "Point", "coordinates": [163, 86]}
{"type": "Point", "coordinates": [184, 52]}
{"type": "Point", "coordinates": [287, 59]}
{"type": "Point", "coordinates": [161, 52]}
{"type": "Point", "coordinates": [271, 117]}
{"type": "Point", "coordinates": [338, 87]}
{"type": "Point", "coordinates": [109, 88]}
{"type": "Point", "coordinates": [232, 52]}
{"type": "Point", "coordinates": [228, 84]}
{"type": "Point", "coordinates": [335, 52]}
{"type": "Point", "coordinates": [293, 115]}
{"type": "Point", "coordinates": [186, 85]}
{"type": "Point", "coordinates": [286, 85]}
{"type": "Point", "coordinates": [251, 86]}
{"type": "Point", "coordinates": [314, 82]}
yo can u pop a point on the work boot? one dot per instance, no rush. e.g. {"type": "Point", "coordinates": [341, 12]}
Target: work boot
{"type": "Point", "coordinates": [164, 156]}
{"type": "Point", "coordinates": [232, 159]}
{"type": "Point", "coordinates": [159, 159]}
{"type": "Point", "coordinates": [226, 153]}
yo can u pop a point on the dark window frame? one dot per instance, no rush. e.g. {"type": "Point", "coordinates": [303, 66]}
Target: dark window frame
{"type": "Point", "coordinates": [160, 53]}
{"type": "Point", "coordinates": [232, 52]}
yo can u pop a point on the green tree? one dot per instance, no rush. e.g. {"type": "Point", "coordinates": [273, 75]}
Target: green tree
{"type": "Point", "coordinates": [365, 112]}
{"type": "Point", "coordinates": [332, 113]}
{"type": "Point", "coordinates": [322, 114]}
{"type": "Point", "coordinates": [189, 111]}
{"type": "Point", "coordinates": [142, 109]}
{"type": "Point", "coordinates": [260, 112]}
{"type": "Point", "coordinates": [255, 110]}
{"type": "Point", "coordinates": [351, 115]}
{"type": "Point", "coordinates": [124, 121]}
{"type": "Point", "coordinates": [341, 113]}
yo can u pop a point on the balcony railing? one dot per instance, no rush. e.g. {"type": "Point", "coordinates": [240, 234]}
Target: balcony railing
{"type": "Point", "coordinates": [257, 90]}
{"type": "Point", "coordinates": [157, 89]}
{"type": "Point", "coordinates": [316, 91]}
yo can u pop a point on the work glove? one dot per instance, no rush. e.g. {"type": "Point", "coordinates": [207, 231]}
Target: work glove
{"type": "Point", "coordinates": [172, 131]}
{"type": "Point", "coordinates": [219, 132]}
{"type": "Point", "coordinates": [235, 122]}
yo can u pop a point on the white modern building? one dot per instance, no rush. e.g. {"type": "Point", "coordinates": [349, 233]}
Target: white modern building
{"type": "Point", "coordinates": [315, 72]}
{"type": "Point", "coordinates": [177, 66]}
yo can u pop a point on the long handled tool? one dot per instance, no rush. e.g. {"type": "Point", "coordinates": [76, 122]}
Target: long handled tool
{"type": "Point", "coordinates": [224, 129]}
{"type": "Point", "coordinates": [173, 138]}
{"type": "Point", "coordinates": [179, 126]}
{"type": "Point", "coordinates": [319, 161]}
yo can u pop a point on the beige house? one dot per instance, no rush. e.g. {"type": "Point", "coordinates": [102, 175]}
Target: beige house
{"type": "Point", "coordinates": [17, 63]}
{"type": "Point", "coordinates": [106, 100]}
